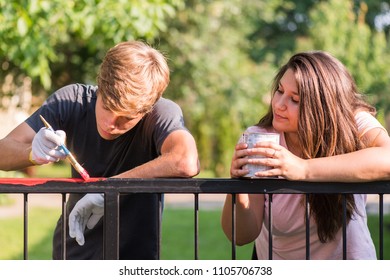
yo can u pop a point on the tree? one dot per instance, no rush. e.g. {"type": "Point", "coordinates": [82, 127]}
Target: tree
{"type": "Point", "coordinates": [60, 41]}
{"type": "Point", "coordinates": [46, 44]}
{"type": "Point", "coordinates": [215, 81]}
{"type": "Point", "coordinates": [223, 54]}
{"type": "Point", "coordinates": [363, 49]}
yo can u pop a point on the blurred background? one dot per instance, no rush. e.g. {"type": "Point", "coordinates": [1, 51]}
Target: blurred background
{"type": "Point", "coordinates": [222, 54]}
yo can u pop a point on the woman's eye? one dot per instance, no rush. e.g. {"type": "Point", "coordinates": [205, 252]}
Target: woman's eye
{"type": "Point", "coordinates": [295, 98]}
{"type": "Point", "coordinates": [279, 91]}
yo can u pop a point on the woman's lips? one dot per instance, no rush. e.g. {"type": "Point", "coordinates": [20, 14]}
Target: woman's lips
{"type": "Point", "coordinates": [279, 117]}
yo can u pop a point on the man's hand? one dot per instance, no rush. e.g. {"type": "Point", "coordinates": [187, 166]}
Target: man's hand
{"type": "Point", "coordinates": [45, 146]}
{"type": "Point", "coordinates": [86, 213]}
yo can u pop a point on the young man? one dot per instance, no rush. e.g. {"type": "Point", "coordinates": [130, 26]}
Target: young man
{"type": "Point", "coordinates": [121, 128]}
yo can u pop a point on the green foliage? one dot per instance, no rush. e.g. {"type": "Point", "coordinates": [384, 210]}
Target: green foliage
{"type": "Point", "coordinates": [278, 28]}
{"type": "Point", "coordinates": [223, 54]}
{"type": "Point", "coordinates": [215, 81]}
{"type": "Point", "coordinates": [74, 33]}
{"type": "Point", "coordinates": [362, 49]}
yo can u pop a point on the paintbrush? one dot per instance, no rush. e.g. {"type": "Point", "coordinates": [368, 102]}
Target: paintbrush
{"type": "Point", "coordinates": [69, 155]}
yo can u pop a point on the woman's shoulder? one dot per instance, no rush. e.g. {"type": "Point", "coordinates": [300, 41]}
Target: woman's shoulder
{"type": "Point", "coordinates": [366, 121]}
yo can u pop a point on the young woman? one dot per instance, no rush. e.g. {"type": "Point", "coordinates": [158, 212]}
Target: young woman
{"type": "Point", "coordinates": [327, 133]}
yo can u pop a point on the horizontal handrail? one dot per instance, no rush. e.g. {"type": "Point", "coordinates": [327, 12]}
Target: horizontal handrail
{"type": "Point", "coordinates": [194, 185]}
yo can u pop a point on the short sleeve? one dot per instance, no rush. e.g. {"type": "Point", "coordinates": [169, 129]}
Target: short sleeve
{"type": "Point", "coordinates": [365, 122]}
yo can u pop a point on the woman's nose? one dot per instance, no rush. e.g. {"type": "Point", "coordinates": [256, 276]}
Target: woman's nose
{"type": "Point", "coordinates": [280, 103]}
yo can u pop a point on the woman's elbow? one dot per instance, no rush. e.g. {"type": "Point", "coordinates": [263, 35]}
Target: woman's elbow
{"type": "Point", "coordinates": [241, 239]}
{"type": "Point", "coordinates": [382, 169]}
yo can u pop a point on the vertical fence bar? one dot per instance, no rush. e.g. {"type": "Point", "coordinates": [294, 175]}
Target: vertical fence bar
{"type": "Point", "coordinates": [196, 225]}
{"type": "Point", "coordinates": [381, 244]}
{"type": "Point", "coordinates": [63, 225]}
{"type": "Point", "coordinates": [111, 225]}
{"type": "Point", "coordinates": [25, 226]}
{"type": "Point", "coordinates": [159, 227]}
{"type": "Point", "coordinates": [234, 197]}
{"type": "Point", "coordinates": [344, 227]}
{"type": "Point", "coordinates": [270, 245]}
{"type": "Point", "coordinates": [307, 221]}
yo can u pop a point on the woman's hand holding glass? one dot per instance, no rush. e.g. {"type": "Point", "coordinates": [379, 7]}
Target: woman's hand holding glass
{"type": "Point", "coordinates": [284, 163]}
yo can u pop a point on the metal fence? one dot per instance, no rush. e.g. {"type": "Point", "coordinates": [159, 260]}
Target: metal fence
{"type": "Point", "coordinates": [113, 188]}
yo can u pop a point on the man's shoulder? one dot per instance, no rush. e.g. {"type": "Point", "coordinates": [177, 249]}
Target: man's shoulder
{"type": "Point", "coordinates": [74, 90]}
{"type": "Point", "coordinates": [166, 105]}
{"type": "Point", "coordinates": [165, 101]}
{"type": "Point", "coordinates": [165, 113]}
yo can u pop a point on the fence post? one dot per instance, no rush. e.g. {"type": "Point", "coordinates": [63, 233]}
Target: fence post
{"type": "Point", "coordinates": [111, 225]}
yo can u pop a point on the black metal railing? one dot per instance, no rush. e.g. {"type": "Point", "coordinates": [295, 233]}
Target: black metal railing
{"type": "Point", "coordinates": [113, 188]}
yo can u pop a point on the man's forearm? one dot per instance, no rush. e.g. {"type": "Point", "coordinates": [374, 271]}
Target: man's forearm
{"type": "Point", "coordinates": [14, 156]}
{"type": "Point", "coordinates": [165, 166]}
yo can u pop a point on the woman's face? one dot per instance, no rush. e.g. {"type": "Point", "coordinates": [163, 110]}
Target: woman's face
{"type": "Point", "coordinates": [111, 125]}
{"type": "Point", "coordinates": [285, 104]}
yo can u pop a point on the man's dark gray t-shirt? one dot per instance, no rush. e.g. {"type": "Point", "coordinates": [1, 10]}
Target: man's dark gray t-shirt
{"type": "Point", "coordinates": [72, 109]}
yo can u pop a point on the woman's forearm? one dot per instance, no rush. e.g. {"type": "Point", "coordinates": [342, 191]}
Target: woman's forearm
{"type": "Point", "coordinates": [364, 165]}
{"type": "Point", "coordinates": [249, 217]}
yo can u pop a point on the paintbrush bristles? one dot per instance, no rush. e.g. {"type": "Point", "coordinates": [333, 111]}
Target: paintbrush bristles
{"type": "Point", "coordinates": [69, 155]}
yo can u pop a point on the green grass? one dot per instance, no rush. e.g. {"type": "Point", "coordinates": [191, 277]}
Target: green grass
{"type": "Point", "coordinates": [177, 236]}
{"type": "Point", "coordinates": [373, 224]}
{"type": "Point", "coordinates": [41, 223]}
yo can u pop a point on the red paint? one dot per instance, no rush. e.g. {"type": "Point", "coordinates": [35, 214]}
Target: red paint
{"type": "Point", "coordinates": [85, 175]}
{"type": "Point", "coordinates": [39, 181]}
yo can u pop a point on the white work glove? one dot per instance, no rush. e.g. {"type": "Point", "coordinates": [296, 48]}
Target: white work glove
{"type": "Point", "coordinates": [46, 146]}
{"type": "Point", "coordinates": [86, 213]}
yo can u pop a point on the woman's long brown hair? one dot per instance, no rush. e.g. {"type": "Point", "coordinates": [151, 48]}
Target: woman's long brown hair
{"type": "Point", "coordinates": [328, 103]}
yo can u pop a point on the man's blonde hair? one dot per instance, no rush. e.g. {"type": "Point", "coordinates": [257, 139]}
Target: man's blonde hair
{"type": "Point", "coordinates": [132, 77]}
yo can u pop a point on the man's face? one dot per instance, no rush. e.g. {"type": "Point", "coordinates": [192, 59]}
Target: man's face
{"type": "Point", "coordinates": [111, 125]}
